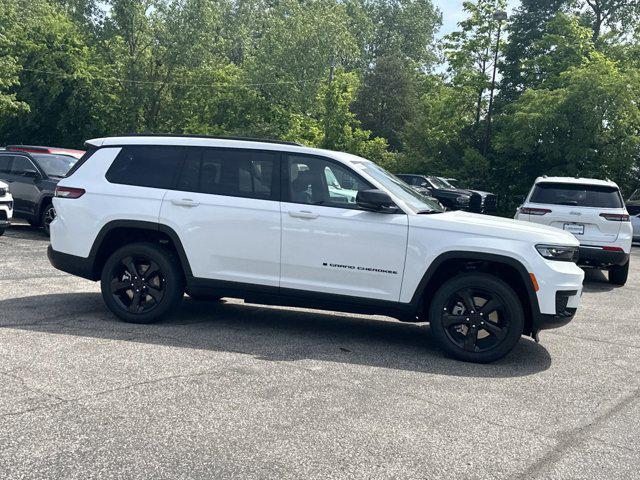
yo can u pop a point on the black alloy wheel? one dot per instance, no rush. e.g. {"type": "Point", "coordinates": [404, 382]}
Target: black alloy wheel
{"type": "Point", "coordinates": [476, 317]}
{"type": "Point", "coordinates": [475, 320]}
{"type": "Point", "coordinates": [141, 282]}
{"type": "Point", "coordinates": [137, 284]}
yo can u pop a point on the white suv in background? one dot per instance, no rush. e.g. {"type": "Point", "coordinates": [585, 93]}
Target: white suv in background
{"type": "Point", "coordinates": [6, 207]}
{"type": "Point", "coordinates": [153, 217]}
{"type": "Point", "coordinates": [592, 210]}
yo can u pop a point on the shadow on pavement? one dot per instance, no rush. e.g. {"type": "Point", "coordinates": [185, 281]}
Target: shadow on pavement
{"type": "Point", "coordinates": [596, 281]}
{"type": "Point", "coordinates": [26, 232]}
{"type": "Point", "coordinates": [267, 333]}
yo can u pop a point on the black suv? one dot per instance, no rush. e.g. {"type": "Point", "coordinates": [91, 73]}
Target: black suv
{"type": "Point", "coordinates": [32, 179]}
{"type": "Point", "coordinates": [451, 197]}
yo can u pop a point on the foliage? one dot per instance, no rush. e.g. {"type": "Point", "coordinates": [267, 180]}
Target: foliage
{"type": "Point", "coordinates": [355, 75]}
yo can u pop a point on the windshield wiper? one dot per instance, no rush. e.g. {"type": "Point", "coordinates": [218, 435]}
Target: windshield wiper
{"type": "Point", "coordinates": [427, 212]}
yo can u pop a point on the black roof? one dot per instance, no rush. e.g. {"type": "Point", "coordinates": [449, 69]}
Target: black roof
{"type": "Point", "coordinates": [214, 137]}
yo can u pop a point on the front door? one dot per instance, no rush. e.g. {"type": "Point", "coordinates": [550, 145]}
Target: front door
{"type": "Point", "coordinates": [225, 209]}
{"type": "Point", "coordinates": [329, 245]}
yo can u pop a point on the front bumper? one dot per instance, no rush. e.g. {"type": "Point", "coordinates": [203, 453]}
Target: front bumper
{"type": "Point", "coordinates": [566, 307]}
{"type": "Point", "coordinates": [598, 257]}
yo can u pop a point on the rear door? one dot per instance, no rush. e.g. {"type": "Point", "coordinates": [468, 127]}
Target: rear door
{"type": "Point", "coordinates": [225, 209]}
{"type": "Point", "coordinates": [580, 209]}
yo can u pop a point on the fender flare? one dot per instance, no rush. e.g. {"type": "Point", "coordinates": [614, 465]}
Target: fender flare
{"type": "Point", "coordinates": [140, 225]}
{"type": "Point", "coordinates": [419, 293]}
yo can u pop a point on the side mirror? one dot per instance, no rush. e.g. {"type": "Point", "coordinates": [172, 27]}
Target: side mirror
{"type": "Point", "coordinates": [31, 174]}
{"type": "Point", "coordinates": [374, 199]}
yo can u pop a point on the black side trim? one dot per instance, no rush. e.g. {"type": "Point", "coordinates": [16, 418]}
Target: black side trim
{"type": "Point", "coordinates": [86, 267]}
{"type": "Point", "coordinates": [79, 266]}
{"type": "Point", "coordinates": [269, 295]}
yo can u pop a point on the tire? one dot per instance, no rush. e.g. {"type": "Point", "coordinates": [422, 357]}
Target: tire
{"type": "Point", "coordinates": [494, 312]}
{"type": "Point", "coordinates": [204, 297]}
{"type": "Point", "coordinates": [618, 274]}
{"type": "Point", "coordinates": [131, 293]}
{"type": "Point", "coordinates": [1, 231]}
{"type": "Point", "coordinates": [48, 215]}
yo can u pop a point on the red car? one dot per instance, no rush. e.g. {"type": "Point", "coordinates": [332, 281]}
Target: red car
{"type": "Point", "coordinates": [53, 150]}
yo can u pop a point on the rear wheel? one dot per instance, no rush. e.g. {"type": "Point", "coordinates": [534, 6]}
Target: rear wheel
{"type": "Point", "coordinates": [618, 274]}
{"type": "Point", "coordinates": [48, 216]}
{"type": "Point", "coordinates": [141, 282]}
{"type": "Point", "coordinates": [476, 317]}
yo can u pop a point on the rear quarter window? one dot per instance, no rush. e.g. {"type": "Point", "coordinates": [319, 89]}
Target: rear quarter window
{"type": "Point", "coordinates": [146, 166]}
{"type": "Point", "coordinates": [576, 195]}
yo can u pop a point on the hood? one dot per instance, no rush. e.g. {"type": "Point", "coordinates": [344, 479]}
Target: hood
{"type": "Point", "coordinates": [452, 192]}
{"type": "Point", "coordinates": [495, 227]}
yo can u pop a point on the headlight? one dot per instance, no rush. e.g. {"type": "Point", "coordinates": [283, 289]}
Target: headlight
{"type": "Point", "coordinates": [558, 252]}
{"type": "Point", "coordinates": [462, 199]}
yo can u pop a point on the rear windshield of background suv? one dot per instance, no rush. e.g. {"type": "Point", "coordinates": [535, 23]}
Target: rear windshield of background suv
{"type": "Point", "coordinates": [576, 195]}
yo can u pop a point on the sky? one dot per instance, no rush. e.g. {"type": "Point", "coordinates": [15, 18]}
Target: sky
{"type": "Point", "coordinates": [452, 13]}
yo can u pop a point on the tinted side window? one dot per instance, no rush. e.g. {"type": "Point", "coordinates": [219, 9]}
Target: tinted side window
{"type": "Point", "coordinates": [235, 173]}
{"type": "Point", "coordinates": [21, 165]}
{"type": "Point", "coordinates": [576, 195]}
{"type": "Point", "coordinates": [5, 160]}
{"type": "Point", "coordinates": [316, 181]}
{"type": "Point", "coordinates": [146, 166]}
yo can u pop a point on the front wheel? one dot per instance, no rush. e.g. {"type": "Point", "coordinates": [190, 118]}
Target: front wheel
{"type": "Point", "coordinates": [618, 274]}
{"type": "Point", "coordinates": [476, 317]}
{"type": "Point", "coordinates": [141, 282]}
{"type": "Point", "coordinates": [48, 216]}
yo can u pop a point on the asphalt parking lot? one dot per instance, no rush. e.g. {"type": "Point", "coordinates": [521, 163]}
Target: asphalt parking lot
{"type": "Point", "coordinates": [228, 389]}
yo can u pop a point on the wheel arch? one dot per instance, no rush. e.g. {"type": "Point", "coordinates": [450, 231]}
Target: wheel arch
{"type": "Point", "coordinates": [118, 233]}
{"type": "Point", "coordinates": [449, 264]}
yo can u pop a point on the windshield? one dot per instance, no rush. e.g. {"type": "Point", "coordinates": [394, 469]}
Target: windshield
{"type": "Point", "coordinates": [447, 182]}
{"type": "Point", "coordinates": [416, 202]}
{"type": "Point", "coordinates": [635, 196]}
{"type": "Point", "coordinates": [440, 183]}
{"type": "Point", "coordinates": [576, 195]}
{"type": "Point", "coordinates": [55, 165]}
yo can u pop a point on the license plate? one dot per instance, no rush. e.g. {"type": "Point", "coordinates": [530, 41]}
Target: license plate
{"type": "Point", "coordinates": [575, 228]}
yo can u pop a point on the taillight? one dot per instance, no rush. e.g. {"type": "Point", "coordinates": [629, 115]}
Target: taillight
{"type": "Point", "coordinates": [615, 217]}
{"type": "Point", "coordinates": [612, 249]}
{"type": "Point", "coordinates": [534, 211]}
{"type": "Point", "coordinates": [68, 192]}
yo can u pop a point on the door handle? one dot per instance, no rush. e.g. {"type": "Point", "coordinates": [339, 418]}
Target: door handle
{"type": "Point", "coordinates": [185, 202]}
{"type": "Point", "coordinates": [303, 214]}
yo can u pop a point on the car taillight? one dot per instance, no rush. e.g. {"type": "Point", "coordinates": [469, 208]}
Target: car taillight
{"type": "Point", "coordinates": [615, 217]}
{"type": "Point", "coordinates": [534, 211]}
{"type": "Point", "coordinates": [68, 192]}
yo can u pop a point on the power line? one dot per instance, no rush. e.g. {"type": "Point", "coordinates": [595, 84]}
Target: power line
{"type": "Point", "coordinates": [175, 84]}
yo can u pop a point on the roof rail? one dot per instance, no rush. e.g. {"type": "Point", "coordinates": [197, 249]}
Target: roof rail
{"type": "Point", "coordinates": [214, 137]}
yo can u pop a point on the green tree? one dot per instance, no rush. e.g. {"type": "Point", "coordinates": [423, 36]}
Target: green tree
{"type": "Point", "coordinates": [388, 99]}
{"type": "Point", "coordinates": [588, 125]}
{"type": "Point", "coordinates": [470, 50]}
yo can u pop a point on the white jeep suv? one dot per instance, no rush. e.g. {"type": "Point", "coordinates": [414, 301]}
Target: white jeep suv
{"type": "Point", "coordinates": [6, 207]}
{"type": "Point", "coordinates": [592, 210]}
{"type": "Point", "coordinates": [152, 217]}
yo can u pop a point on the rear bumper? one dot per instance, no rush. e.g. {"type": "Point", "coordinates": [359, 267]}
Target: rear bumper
{"type": "Point", "coordinates": [79, 266]}
{"type": "Point", "coordinates": [593, 256]}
